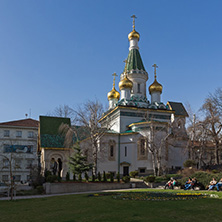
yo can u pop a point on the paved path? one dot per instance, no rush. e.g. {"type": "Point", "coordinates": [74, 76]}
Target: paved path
{"type": "Point", "coordinates": [61, 194]}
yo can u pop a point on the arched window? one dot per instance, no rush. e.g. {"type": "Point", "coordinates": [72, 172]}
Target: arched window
{"type": "Point", "coordinates": [141, 149]}
{"type": "Point", "coordinates": [111, 151]}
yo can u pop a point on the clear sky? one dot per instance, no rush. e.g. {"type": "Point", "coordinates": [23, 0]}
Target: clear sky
{"type": "Point", "coordinates": [56, 52]}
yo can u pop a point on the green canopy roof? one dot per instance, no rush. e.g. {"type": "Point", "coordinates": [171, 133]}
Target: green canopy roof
{"type": "Point", "coordinates": [134, 60]}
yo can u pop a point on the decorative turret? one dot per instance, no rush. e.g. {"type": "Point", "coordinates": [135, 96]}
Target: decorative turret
{"type": "Point", "coordinates": [125, 85]}
{"type": "Point", "coordinates": [155, 88]}
{"type": "Point", "coordinates": [135, 70]}
{"type": "Point", "coordinates": [113, 95]}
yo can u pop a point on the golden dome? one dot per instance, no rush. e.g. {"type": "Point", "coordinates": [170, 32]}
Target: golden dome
{"type": "Point", "coordinates": [134, 34]}
{"type": "Point", "coordinates": [155, 87]}
{"type": "Point", "coordinates": [125, 83]}
{"type": "Point", "coordinates": [113, 94]}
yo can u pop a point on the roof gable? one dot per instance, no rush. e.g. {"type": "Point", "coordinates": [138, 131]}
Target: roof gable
{"type": "Point", "coordinates": [178, 108]}
{"type": "Point", "coordinates": [23, 122]}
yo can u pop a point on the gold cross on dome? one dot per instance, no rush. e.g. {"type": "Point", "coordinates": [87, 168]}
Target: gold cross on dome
{"type": "Point", "coordinates": [114, 78]}
{"type": "Point", "coordinates": [155, 66]}
{"type": "Point", "coordinates": [125, 61]}
{"type": "Point", "coordinates": [134, 17]}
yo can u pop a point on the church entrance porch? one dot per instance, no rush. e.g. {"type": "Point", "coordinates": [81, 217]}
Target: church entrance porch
{"type": "Point", "coordinates": [125, 171]}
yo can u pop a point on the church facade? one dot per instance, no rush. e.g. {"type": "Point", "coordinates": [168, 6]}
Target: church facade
{"type": "Point", "coordinates": [142, 133]}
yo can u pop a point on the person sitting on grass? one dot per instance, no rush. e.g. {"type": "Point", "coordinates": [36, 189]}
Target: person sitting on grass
{"type": "Point", "coordinates": [213, 183]}
{"type": "Point", "coordinates": [193, 183]}
{"type": "Point", "coordinates": [169, 184]}
{"type": "Point", "coordinates": [219, 184]}
{"type": "Point", "coordinates": [188, 184]}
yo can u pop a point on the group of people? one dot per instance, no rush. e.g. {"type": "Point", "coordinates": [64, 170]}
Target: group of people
{"type": "Point", "coordinates": [171, 183]}
{"type": "Point", "coordinates": [190, 183]}
{"type": "Point", "coordinates": [214, 183]}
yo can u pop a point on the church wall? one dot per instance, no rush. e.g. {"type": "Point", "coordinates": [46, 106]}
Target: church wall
{"type": "Point", "coordinates": [177, 156]}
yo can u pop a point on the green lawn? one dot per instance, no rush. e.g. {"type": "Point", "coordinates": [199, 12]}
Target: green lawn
{"type": "Point", "coordinates": [78, 208]}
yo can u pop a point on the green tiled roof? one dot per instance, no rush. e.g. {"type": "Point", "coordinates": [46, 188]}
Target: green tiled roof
{"type": "Point", "coordinates": [134, 60]}
{"type": "Point", "coordinates": [49, 131]}
{"type": "Point", "coordinates": [178, 108]}
{"type": "Point", "coordinates": [50, 125]}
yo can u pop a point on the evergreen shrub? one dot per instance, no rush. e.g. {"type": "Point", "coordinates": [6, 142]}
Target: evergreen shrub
{"type": "Point", "coordinates": [99, 177]}
{"type": "Point", "coordinates": [118, 177]}
{"type": "Point", "coordinates": [67, 176]}
{"type": "Point", "coordinates": [86, 176]}
{"type": "Point", "coordinates": [126, 179]}
{"type": "Point", "coordinates": [150, 179]}
{"type": "Point", "coordinates": [104, 176]}
{"type": "Point", "coordinates": [111, 177]}
{"type": "Point", "coordinates": [80, 177]}
{"type": "Point", "coordinates": [133, 174]}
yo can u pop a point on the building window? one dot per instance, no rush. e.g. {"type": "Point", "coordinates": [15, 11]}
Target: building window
{"type": "Point", "coordinates": [18, 133]}
{"type": "Point", "coordinates": [6, 133]}
{"type": "Point", "coordinates": [125, 150]}
{"type": "Point", "coordinates": [4, 178]}
{"type": "Point", "coordinates": [18, 163]}
{"type": "Point", "coordinates": [5, 163]}
{"type": "Point", "coordinates": [138, 88]}
{"type": "Point", "coordinates": [111, 151]}
{"type": "Point", "coordinates": [142, 170]}
{"type": "Point", "coordinates": [30, 134]}
{"type": "Point", "coordinates": [29, 164]}
{"type": "Point", "coordinates": [142, 147]}
{"type": "Point", "coordinates": [17, 178]}
{"type": "Point", "coordinates": [28, 177]}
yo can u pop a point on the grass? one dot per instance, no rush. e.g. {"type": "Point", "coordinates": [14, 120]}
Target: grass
{"type": "Point", "coordinates": [81, 208]}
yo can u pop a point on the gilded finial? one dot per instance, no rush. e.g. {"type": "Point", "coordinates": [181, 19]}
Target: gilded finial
{"type": "Point", "coordinates": [114, 79]}
{"type": "Point", "coordinates": [155, 66]}
{"type": "Point", "coordinates": [125, 61]}
{"type": "Point", "coordinates": [134, 17]}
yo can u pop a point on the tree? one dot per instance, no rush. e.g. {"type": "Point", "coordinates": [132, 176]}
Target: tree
{"type": "Point", "coordinates": [11, 184]}
{"type": "Point", "coordinates": [87, 117]}
{"type": "Point", "coordinates": [63, 111]}
{"type": "Point", "coordinates": [77, 162]}
{"type": "Point", "coordinates": [155, 141]}
{"type": "Point", "coordinates": [213, 124]}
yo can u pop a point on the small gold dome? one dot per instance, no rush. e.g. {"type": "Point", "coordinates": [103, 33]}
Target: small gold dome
{"type": "Point", "coordinates": [134, 34]}
{"type": "Point", "coordinates": [113, 94]}
{"type": "Point", "coordinates": [125, 83]}
{"type": "Point", "coordinates": [155, 87]}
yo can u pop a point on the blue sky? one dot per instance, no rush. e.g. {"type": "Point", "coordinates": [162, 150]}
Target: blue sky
{"type": "Point", "coordinates": [64, 52]}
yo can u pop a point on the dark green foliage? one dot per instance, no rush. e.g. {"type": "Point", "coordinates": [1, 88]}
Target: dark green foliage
{"type": "Point", "coordinates": [78, 162]}
{"type": "Point", "coordinates": [40, 189]}
{"type": "Point", "coordinates": [99, 177]}
{"type": "Point", "coordinates": [86, 176]}
{"type": "Point", "coordinates": [133, 174]}
{"type": "Point", "coordinates": [126, 179]}
{"type": "Point", "coordinates": [108, 176]}
{"type": "Point", "coordinates": [104, 176]}
{"type": "Point", "coordinates": [160, 179]}
{"type": "Point", "coordinates": [189, 163]}
{"type": "Point", "coordinates": [93, 178]}
{"type": "Point", "coordinates": [74, 177]}
{"type": "Point", "coordinates": [111, 177]}
{"type": "Point", "coordinates": [47, 173]}
{"type": "Point", "coordinates": [51, 178]}
{"type": "Point", "coordinates": [59, 179]}
{"type": "Point", "coordinates": [80, 177]}
{"type": "Point", "coordinates": [67, 176]}
{"type": "Point", "coordinates": [175, 176]}
{"type": "Point", "coordinates": [150, 179]}
{"type": "Point", "coordinates": [118, 177]}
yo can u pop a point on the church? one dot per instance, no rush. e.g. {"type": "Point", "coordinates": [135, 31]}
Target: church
{"type": "Point", "coordinates": [143, 134]}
